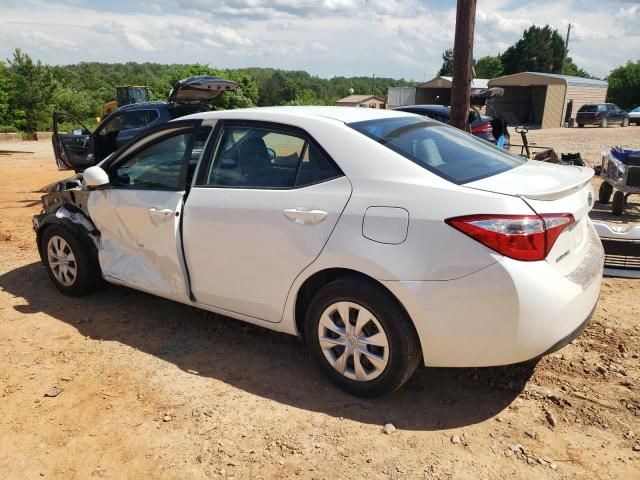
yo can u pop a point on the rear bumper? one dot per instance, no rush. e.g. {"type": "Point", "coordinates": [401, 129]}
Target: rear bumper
{"type": "Point", "coordinates": [588, 120]}
{"type": "Point", "coordinates": [563, 342]}
{"type": "Point", "coordinates": [506, 313]}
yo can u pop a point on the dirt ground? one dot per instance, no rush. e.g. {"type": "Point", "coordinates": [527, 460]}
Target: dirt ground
{"type": "Point", "coordinates": [155, 389]}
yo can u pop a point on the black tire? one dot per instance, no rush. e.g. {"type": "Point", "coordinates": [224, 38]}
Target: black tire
{"type": "Point", "coordinates": [604, 123]}
{"type": "Point", "coordinates": [87, 276]}
{"type": "Point", "coordinates": [625, 122]}
{"type": "Point", "coordinates": [403, 345]}
{"type": "Point", "coordinates": [604, 194]}
{"type": "Point", "coordinates": [581, 125]}
{"type": "Point", "coordinates": [617, 206]}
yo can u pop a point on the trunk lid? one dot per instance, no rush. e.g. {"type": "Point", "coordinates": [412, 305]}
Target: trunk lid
{"type": "Point", "coordinates": [552, 189]}
{"type": "Point", "coordinates": [200, 89]}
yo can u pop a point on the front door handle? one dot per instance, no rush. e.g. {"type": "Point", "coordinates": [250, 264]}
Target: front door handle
{"type": "Point", "coordinates": [163, 214]}
{"type": "Point", "coordinates": [305, 216]}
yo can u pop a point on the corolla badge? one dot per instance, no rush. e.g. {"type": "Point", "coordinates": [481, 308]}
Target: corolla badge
{"type": "Point", "coordinates": [590, 199]}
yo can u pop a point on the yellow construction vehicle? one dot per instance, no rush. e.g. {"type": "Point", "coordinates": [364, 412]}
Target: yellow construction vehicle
{"type": "Point", "coordinates": [125, 95]}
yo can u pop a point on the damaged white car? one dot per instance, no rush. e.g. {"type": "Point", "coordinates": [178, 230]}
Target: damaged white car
{"type": "Point", "coordinates": [381, 238]}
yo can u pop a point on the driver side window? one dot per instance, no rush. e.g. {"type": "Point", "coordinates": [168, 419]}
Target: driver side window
{"type": "Point", "coordinates": [113, 126]}
{"type": "Point", "coordinates": [158, 165]}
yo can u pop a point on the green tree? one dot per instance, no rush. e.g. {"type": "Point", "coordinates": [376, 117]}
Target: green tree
{"type": "Point", "coordinates": [4, 97]}
{"type": "Point", "coordinates": [447, 63]}
{"type": "Point", "coordinates": [624, 85]}
{"type": "Point", "coordinates": [570, 68]}
{"type": "Point", "coordinates": [541, 49]}
{"type": "Point", "coordinates": [30, 85]}
{"type": "Point", "coordinates": [488, 67]}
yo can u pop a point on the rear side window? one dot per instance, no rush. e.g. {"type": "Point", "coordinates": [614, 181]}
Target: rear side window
{"type": "Point", "coordinates": [448, 152]}
{"type": "Point", "coordinates": [315, 167]}
{"type": "Point", "coordinates": [139, 118]}
{"type": "Point", "coordinates": [588, 108]}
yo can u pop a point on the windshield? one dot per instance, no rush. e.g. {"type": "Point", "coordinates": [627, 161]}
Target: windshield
{"type": "Point", "coordinates": [443, 150]}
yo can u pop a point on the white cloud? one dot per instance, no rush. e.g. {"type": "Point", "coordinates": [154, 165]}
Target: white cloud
{"type": "Point", "coordinates": [399, 38]}
{"type": "Point", "coordinates": [318, 47]}
{"type": "Point", "coordinates": [138, 42]}
{"type": "Point", "coordinates": [42, 40]}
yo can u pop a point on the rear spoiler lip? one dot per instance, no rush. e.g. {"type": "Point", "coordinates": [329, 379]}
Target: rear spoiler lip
{"type": "Point", "coordinates": [557, 194]}
{"type": "Point", "coordinates": [583, 180]}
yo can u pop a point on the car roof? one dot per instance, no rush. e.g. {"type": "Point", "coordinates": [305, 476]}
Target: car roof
{"type": "Point", "coordinates": [341, 114]}
{"type": "Point", "coordinates": [141, 106]}
{"type": "Point", "coordinates": [426, 108]}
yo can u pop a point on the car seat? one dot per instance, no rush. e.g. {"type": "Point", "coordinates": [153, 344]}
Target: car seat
{"type": "Point", "coordinates": [254, 161]}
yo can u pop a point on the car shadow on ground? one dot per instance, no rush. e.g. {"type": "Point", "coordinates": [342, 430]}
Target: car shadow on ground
{"type": "Point", "coordinates": [261, 362]}
{"type": "Point", "coordinates": [631, 214]}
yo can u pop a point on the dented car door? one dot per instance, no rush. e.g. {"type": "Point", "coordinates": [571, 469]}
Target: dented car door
{"type": "Point", "coordinates": [138, 214]}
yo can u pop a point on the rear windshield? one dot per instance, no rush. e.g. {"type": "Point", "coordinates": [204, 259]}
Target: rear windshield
{"type": "Point", "coordinates": [593, 108]}
{"type": "Point", "coordinates": [443, 150]}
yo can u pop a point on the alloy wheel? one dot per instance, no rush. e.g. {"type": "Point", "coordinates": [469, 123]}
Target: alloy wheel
{"type": "Point", "coordinates": [353, 341]}
{"type": "Point", "coordinates": [62, 261]}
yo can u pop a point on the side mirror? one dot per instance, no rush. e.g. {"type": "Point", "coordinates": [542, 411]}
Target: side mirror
{"type": "Point", "coordinates": [95, 177]}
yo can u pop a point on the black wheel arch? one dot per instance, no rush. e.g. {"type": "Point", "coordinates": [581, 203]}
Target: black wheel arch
{"type": "Point", "coordinates": [312, 284]}
{"type": "Point", "coordinates": [76, 221]}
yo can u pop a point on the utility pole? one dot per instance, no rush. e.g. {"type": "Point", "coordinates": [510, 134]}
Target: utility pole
{"type": "Point", "coordinates": [462, 63]}
{"type": "Point", "coordinates": [373, 84]}
{"type": "Point", "coordinates": [566, 49]}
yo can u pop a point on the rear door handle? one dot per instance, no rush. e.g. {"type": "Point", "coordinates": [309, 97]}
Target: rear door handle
{"type": "Point", "coordinates": [163, 214]}
{"type": "Point", "coordinates": [305, 216]}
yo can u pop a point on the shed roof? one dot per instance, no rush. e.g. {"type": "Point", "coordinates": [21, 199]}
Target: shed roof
{"type": "Point", "coordinates": [359, 99]}
{"type": "Point", "coordinates": [525, 79]}
{"type": "Point", "coordinates": [446, 82]}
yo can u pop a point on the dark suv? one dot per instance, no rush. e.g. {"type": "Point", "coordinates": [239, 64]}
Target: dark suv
{"type": "Point", "coordinates": [82, 148]}
{"type": "Point", "coordinates": [602, 114]}
{"type": "Point", "coordinates": [483, 126]}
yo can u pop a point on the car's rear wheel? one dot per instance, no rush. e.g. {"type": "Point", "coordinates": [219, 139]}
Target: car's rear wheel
{"type": "Point", "coordinates": [604, 194]}
{"type": "Point", "coordinates": [361, 337]}
{"type": "Point", "coordinates": [69, 263]}
{"type": "Point", "coordinates": [603, 123]}
{"type": "Point", "coordinates": [581, 125]}
{"type": "Point", "coordinates": [617, 206]}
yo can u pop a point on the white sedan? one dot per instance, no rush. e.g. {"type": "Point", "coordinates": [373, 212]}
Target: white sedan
{"type": "Point", "coordinates": [381, 238]}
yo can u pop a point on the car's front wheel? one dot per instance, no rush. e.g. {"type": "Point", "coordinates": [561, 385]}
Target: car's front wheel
{"type": "Point", "coordinates": [604, 123]}
{"type": "Point", "coordinates": [361, 337]}
{"type": "Point", "coordinates": [69, 263]}
{"type": "Point", "coordinates": [625, 122]}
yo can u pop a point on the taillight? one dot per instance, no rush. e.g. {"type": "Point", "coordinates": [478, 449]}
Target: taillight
{"type": "Point", "coordinates": [482, 128]}
{"type": "Point", "coordinates": [521, 237]}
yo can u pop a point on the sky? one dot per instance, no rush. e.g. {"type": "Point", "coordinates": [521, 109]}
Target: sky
{"type": "Point", "coordinates": [386, 38]}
